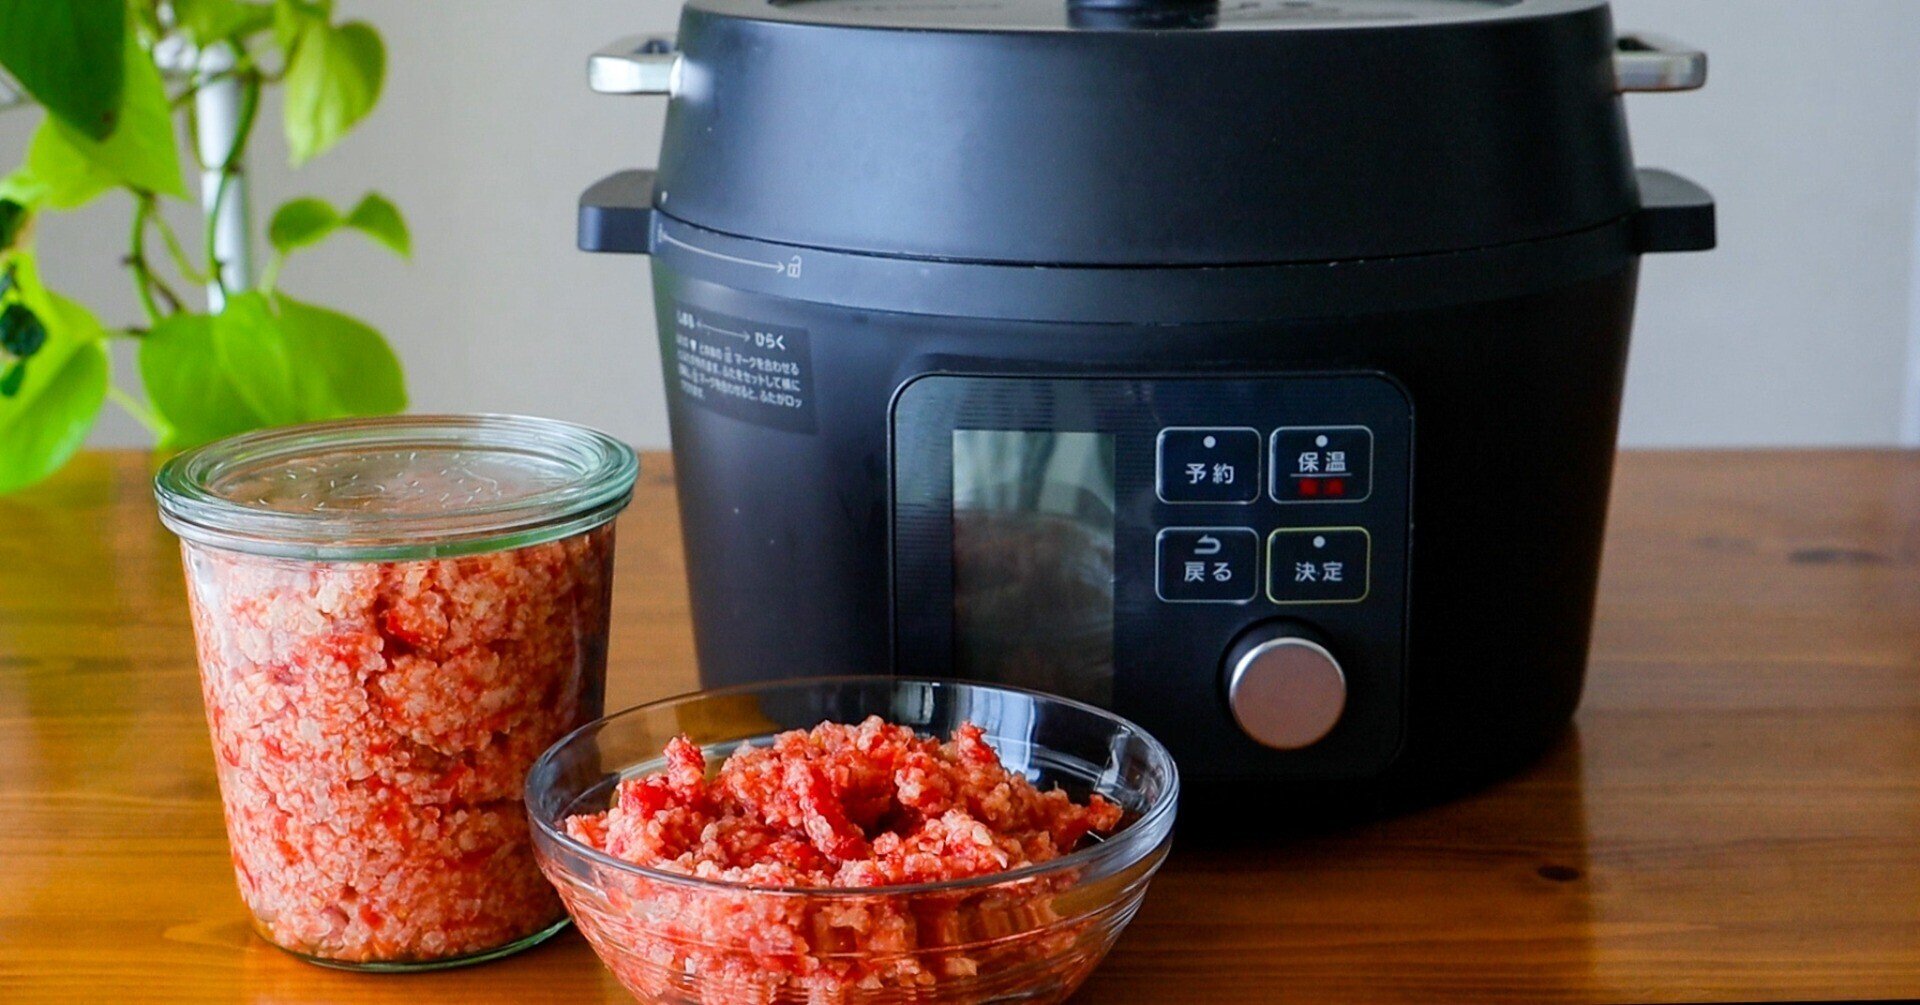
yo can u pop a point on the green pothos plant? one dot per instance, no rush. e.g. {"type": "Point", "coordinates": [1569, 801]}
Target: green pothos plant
{"type": "Point", "coordinates": [115, 123]}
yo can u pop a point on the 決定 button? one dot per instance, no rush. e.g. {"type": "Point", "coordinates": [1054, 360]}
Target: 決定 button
{"type": "Point", "coordinates": [1208, 565]}
{"type": "Point", "coordinates": [1318, 565]}
{"type": "Point", "coordinates": [1322, 464]}
{"type": "Point", "coordinates": [1209, 465]}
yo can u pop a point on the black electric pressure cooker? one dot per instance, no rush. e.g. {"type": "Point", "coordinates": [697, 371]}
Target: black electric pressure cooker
{"type": "Point", "coordinates": [1251, 368]}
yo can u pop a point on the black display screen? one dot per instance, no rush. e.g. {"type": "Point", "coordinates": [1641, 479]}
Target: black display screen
{"type": "Point", "coordinates": [1033, 573]}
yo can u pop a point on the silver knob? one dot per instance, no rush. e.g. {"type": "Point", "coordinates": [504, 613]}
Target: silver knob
{"type": "Point", "coordinates": [1643, 62]}
{"type": "Point", "coordinates": [1286, 692]}
{"type": "Point", "coordinates": [635, 65]}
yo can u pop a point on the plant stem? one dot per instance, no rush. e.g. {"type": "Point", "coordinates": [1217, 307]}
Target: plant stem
{"type": "Point", "coordinates": [188, 93]}
{"type": "Point", "coordinates": [145, 280]}
{"type": "Point", "coordinates": [137, 259]}
{"type": "Point", "coordinates": [172, 300]}
{"type": "Point", "coordinates": [140, 412]}
{"type": "Point", "coordinates": [249, 107]}
{"type": "Point", "coordinates": [176, 249]}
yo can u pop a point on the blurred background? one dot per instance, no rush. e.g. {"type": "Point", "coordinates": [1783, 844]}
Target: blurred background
{"type": "Point", "coordinates": [1803, 329]}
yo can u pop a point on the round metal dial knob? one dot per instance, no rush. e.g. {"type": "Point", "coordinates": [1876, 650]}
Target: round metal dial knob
{"type": "Point", "coordinates": [1286, 692]}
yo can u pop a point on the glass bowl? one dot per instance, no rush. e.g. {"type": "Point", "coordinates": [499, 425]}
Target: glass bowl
{"type": "Point", "coordinates": [1031, 934]}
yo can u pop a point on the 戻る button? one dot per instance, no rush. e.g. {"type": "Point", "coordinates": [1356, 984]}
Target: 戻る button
{"type": "Point", "coordinates": [1313, 464]}
{"type": "Point", "coordinates": [1209, 465]}
{"type": "Point", "coordinates": [1208, 565]}
{"type": "Point", "coordinates": [1318, 565]}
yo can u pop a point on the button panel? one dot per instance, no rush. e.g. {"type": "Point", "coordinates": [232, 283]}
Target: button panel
{"type": "Point", "coordinates": [1209, 465]}
{"type": "Point", "coordinates": [1167, 661]}
{"type": "Point", "coordinates": [1321, 464]}
{"type": "Point", "coordinates": [1304, 464]}
{"type": "Point", "coordinates": [1319, 565]}
{"type": "Point", "coordinates": [1207, 565]}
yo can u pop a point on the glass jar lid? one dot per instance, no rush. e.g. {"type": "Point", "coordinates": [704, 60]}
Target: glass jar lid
{"type": "Point", "coordinates": [397, 487]}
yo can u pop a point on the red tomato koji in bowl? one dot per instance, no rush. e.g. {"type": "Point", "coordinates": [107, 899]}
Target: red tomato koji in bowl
{"type": "Point", "coordinates": [848, 863]}
{"type": "Point", "coordinates": [842, 806]}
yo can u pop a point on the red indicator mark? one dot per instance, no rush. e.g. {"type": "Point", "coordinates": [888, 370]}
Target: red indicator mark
{"type": "Point", "coordinates": [1336, 486]}
{"type": "Point", "coordinates": [1309, 486]}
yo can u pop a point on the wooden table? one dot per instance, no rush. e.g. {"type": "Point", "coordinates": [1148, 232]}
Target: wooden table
{"type": "Point", "coordinates": [1737, 815]}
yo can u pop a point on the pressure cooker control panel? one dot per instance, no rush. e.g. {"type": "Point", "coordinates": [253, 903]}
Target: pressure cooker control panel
{"type": "Point", "coordinates": [1302, 565]}
{"type": "Point", "coordinates": [1223, 559]}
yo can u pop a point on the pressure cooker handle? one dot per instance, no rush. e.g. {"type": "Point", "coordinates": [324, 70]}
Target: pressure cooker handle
{"type": "Point", "coordinates": [1643, 62]}
{"type": "Point", "coordinates": [1675, 214]}
{"type": "Point", "coordinates": [616, 214]}
{"type": "Point", "coordinates": [637, 64]}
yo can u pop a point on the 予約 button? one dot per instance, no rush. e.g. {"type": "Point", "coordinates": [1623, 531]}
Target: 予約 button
{"type": "Point", "coordinates": [1314, 464]}
{"type": "Point", "coordinates": [1208, 565]}
{"type": "Point", "coordinates": [1209, 465]}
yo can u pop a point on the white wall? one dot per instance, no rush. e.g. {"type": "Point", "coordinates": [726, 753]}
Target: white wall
{"type": "Point", "coordinates": [1794, 332]}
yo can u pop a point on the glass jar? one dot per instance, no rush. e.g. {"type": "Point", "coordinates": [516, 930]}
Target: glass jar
{"type": "Point", "coordinates": [394, 617]}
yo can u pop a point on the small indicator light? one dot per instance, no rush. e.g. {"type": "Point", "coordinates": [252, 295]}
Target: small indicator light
{"type": "Point", "coordinates": [1309, 487]}
{"type": "Point", "coordinates": [1336, 486]}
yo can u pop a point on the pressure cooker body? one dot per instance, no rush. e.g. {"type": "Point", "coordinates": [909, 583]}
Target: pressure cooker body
{"type": "Point", "coordinates": [1321, 506]}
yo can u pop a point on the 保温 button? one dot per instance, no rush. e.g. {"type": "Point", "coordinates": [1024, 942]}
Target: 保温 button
{"type": "Point", "coordinates": [1322, 464]}
{"type": "Point", "coordinates": [1203, 465]}
{"type": "Point", "coordinates": [1318, 565]}
{"type": "Point", "coordinates": [1208, 565]}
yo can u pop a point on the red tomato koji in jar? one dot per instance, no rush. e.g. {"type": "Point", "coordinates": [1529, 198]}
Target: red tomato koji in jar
{"type": "Point", "coordinates": [393, 619]}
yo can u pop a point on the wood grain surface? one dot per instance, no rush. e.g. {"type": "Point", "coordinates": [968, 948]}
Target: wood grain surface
{"type": "Point", "coordinates": [1735, 816]}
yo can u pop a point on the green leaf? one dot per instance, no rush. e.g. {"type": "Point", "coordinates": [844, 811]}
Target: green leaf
{"type": "Point", "coordinates": [21, 332]}
{"type": "Point", "coordinates": [46, 422]}
{"type": "Point", "coordinates": [60, 393]}
{"type": "Point", "coordinates": [209, 21]}
{"type": "Point", "coordinates": [21, 188]}
{"type": "Point", "coordinates": [15, 376]}
{"type": "Point", "coordinates": [288, 21]}
{"type": "Point", "coordinates": [250, 348]}
{"type": "Point", "coordinates": [377, 217]}
{"type": "Point", "coordinates": [66, 320]}
{"type": "Point", "coordinates": [142, 151]}
{"type": "Point", "coordinates": [301, 222]}
{"type": "Point", "coordinates": [333, 78]}
{"type": "Point", "coordinates": [66, 53]}
{"type": "Point", "coordinates": [59, 174]}
{"type": "Point", "coordinates": [293, 362]}
{"type": "Point", "coordinates": [198, 399]}
{"type": "Point", "coordinates": [291, 17]}
{"type": "Point", "coordinates": [145, 19]}
{"type": "Point", "coordinates": [13, 216]}
{"type": "Point", "coordinates": [346, 368]}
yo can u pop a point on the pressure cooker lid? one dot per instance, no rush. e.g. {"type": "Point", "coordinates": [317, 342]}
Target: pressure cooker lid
{"type": "Point", "coordinates": [1145, 132]}
{"type": "Point", "coordinates": [1042, 15]}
